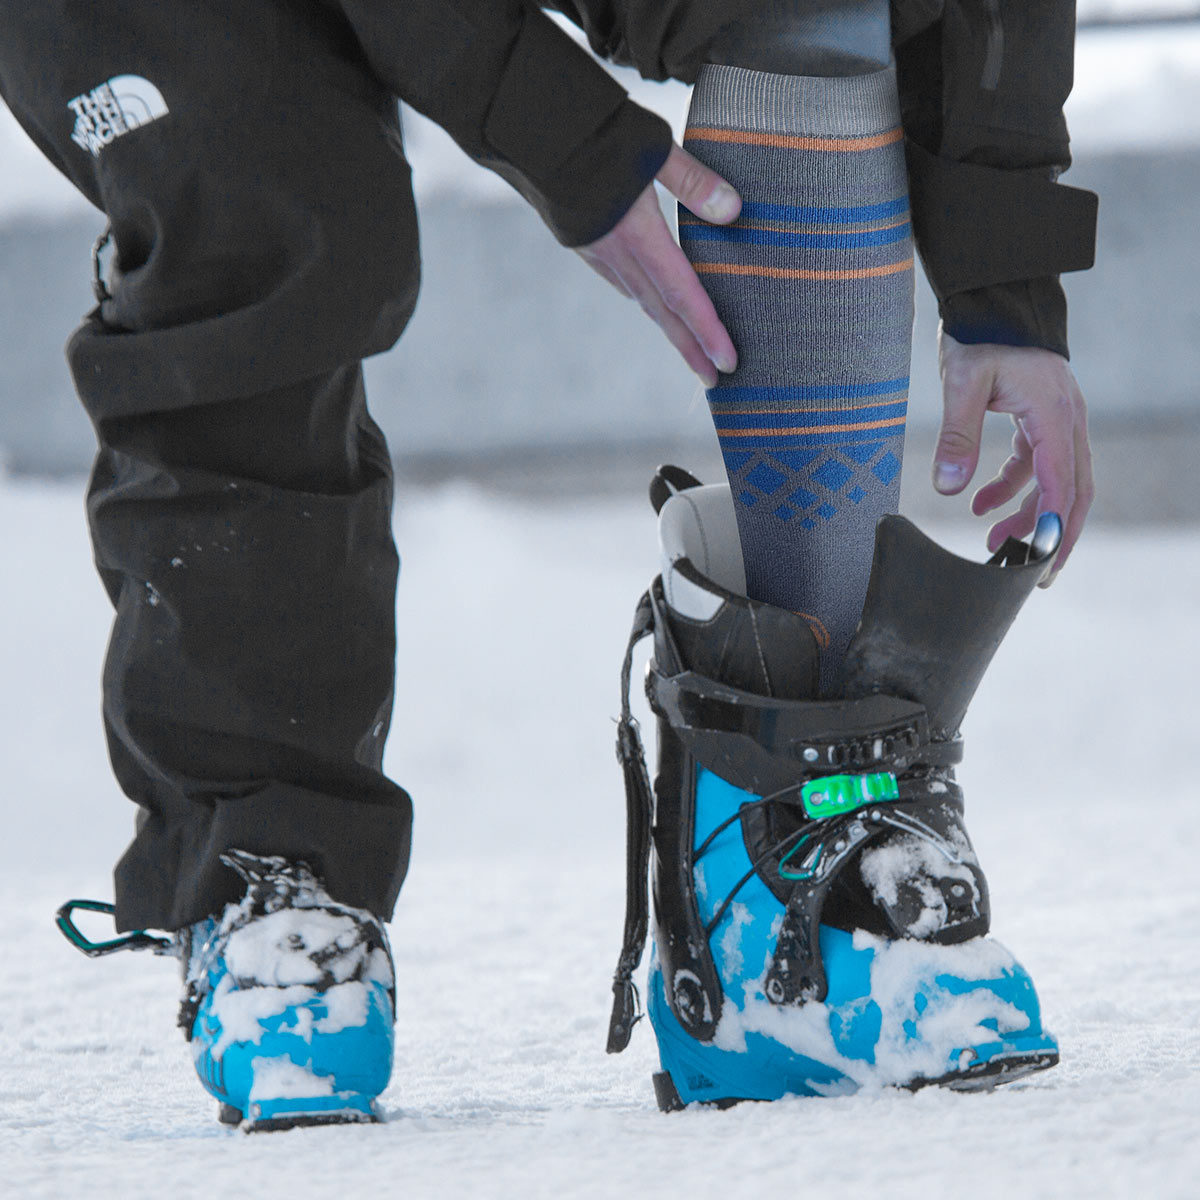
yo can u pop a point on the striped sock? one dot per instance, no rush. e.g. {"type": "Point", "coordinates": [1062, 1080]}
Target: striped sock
{"type": "Point", "coordinates": [814, 282]}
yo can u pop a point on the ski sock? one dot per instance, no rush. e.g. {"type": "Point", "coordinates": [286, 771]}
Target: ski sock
{"type": "Point", "coordinates": [814, 282]}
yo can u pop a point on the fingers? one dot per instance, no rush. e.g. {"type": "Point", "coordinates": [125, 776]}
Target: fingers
{"type": "Point", "coordinates": [1011, 478]}
{"type": "Point", "coordinates": [967, 380]}
{"type": "Point", "coordinates": [606, 272]}
{"type": "Point", "coordinates": [677, 289]}
{"type": "Point", "coordinates": [642, 259]}
{"type": "Point", "coordinates": [698, 188]}
{"type": "Point", "coordinates": [628, 273]}
{"type": "Point", "coordinates": [1018, 525]}
{"type": "Point", "coordinates": [1085, 492]}
{"type": "Point", "coordinates": [659, 309]}
{"type": "Point", "coordinates": [1051, 433]}
{"type": "Point", "coordinates": [1050, 447]}
{"type": "Point", "coordinates": [1043, 397]}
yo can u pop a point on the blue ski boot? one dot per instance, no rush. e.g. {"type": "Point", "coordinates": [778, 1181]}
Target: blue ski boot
{"type": "Point", "coordinates": [289, 1002]}
{"type": "Point", "coordinates": [289, 997]}
{"type": "Point", "coordinates": [820, 915]}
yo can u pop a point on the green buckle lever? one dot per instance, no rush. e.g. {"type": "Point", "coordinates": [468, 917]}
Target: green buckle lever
{"type": "Point", "coordinates": [834, 795]}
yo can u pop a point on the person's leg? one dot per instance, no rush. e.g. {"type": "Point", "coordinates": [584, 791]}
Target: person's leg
{"type": "Point", "coordinates": [814, 282]}
{"type": "Point", "coordinates": [820, 914]}
{"type": "Point", "coordinates": [241, 500]}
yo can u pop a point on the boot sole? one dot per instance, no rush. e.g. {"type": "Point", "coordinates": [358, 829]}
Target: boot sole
{"type": "Point", "coordinates": [227, 1114]}
{"type": "Point", "coordinates": [981, 1077]}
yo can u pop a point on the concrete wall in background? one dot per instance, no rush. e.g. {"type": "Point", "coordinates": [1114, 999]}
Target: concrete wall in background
{"type": "Point", "coordinates": [518, 350]}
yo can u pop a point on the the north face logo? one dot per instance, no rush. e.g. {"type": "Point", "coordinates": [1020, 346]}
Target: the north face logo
{"type": "Point", "coordinates": [105, 113]}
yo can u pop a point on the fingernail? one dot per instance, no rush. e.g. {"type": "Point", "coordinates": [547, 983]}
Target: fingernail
{"type": "Point", "coordinates": [1047, 535]}
{"type": "Point", "coordinates": [722, 204]}
{"type": "Point", "coordinates": [710, 379]}
{"type": "Point", "coordinates": [949, 477]}
{"type": "Point", "coordinates": [725, 363]}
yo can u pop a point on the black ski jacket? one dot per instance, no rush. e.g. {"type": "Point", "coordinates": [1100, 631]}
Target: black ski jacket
{"type": "Point", "coordinates": [982, 88]}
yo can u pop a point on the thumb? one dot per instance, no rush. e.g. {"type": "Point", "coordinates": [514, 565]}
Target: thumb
{"type": "Point", "coordinates": [698, 188]}
{"type": "Point", "coordinates": [966, 393]}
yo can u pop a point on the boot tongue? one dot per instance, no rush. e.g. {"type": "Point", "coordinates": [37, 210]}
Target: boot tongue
{"type": "Point", "coordinates": [931, 623]}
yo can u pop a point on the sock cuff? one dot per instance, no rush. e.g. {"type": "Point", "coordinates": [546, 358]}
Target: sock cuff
{"type": "Point", "coordinates": [816, 106]}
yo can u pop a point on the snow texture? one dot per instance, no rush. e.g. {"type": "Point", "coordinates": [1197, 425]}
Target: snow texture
{"type": "Point", "coordinates": [899, 970]}
{"type": "Point", "coordinates": [731, 941]}
{"type": "Point", "coordinates": [242, 1012]}
{"type": "Point", "coordinates": [1082, 802]}
{"type": "Point", "coordinates": [914, 862]}
{"type": "Point", "coordinates": [282, 1079]}
{"type": "Point", "coordinates": [281, 948]}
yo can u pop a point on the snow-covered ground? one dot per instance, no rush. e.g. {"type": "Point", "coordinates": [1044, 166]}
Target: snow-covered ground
{"type": "Point", "coordinates": [1083, 801]}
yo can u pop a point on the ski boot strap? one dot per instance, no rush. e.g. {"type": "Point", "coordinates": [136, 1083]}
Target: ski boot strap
{"type": "Point", "coordinates": [763, 743]}
{"type": "Point", "coordinates": [138, 939]}
{"type": "Point", "coordinates": [638, 808]}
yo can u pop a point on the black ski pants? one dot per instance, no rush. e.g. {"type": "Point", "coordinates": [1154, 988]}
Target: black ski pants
{"type": "Point", "coordinates": [240, 504]}
{"type": "Point", "coordinates": [241, 500]}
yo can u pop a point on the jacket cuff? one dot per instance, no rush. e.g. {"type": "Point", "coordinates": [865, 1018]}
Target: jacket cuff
{"type": "Point", "coordinates": [567, 137]}
{"type": "Point", "coordinates": [1029, 312]}
{"type": "Point", "coordinates": [981, 226]}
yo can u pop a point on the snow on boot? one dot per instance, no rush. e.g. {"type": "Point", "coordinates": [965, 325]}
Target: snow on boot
{"type": "Point", "coordinates": [289, 1002]}
{"type": "Point", "coordinates": [820, 914]}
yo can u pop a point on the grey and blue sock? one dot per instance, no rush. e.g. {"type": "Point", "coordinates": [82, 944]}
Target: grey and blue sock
{"type": "Point", "coordinates": [814, 282]}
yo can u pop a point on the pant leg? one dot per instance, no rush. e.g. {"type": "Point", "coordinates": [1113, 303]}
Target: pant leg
{"type": "Point", "coordinates": [252, 172]}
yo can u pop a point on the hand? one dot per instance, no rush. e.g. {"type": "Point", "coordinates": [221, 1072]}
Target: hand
{"type": "Point", "coordinates": [1050, 446]}
{"type": "Point", "coordinates": [641, 259]}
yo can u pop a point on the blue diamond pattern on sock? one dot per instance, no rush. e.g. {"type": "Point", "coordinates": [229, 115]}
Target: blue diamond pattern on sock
{"type": "Point", "coordinates": [735, 460]}
{"type": "Point", "coordinates": [803, 498]}
{"type": "Point", "coordinates": [856, 494]}
{"type": "Point", "coordinates": [749, 499]}
{"type": "Point", "coordinates": [765, 478]}
{"type": "Point", "coordinates": [861, 454]}
{"type": "Point", "coordinates": [784, 513]}
{"type": "Point", "coordinates": [826, 511]}
{"type": "Point", "coordinates": [809, 523]}
{"type": "Point", "coordinates": [833, 475]}
{"type": "Point", "coordinates": [797, 460]}
{"type": "Point", "coordinates": [886, 469]}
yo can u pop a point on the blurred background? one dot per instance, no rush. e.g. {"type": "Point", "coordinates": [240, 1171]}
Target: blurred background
{"type": "Point", "coordinates": [525, 373]}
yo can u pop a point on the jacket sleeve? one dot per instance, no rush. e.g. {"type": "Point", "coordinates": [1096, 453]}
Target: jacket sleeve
{"type": "Point", "coordinates": [982, 88]}
{"type": "Point", "coordinates": [661, 39]}
{"type": "Point", "coordinates": [519, 96]}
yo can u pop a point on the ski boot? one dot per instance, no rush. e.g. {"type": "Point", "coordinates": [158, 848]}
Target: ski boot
{"type": "Point", "coordinates": [289, 999]}
{"type": "Point", "coordinates": [820, 914]}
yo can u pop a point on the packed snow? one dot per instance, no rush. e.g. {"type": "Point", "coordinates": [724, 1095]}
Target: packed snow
{"type": "Point", "coordinates": [277, 1079]}
{"type": "Point", "coordinates": [947, 1018]}
{"type": "Point", "coordinates": [918, 863]}
{"type": "Point", "coordinates": [284, 947]}
{"type": "Point", "coordinates": [1082, 802]}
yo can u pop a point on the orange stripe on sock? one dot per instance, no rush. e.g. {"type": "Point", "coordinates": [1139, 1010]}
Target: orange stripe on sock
{"type": "Point", "coordinates": [701, 133]}
{"type": "Point", "coordinates": [705, 268]}
{"type": "Point", "coordinates": [818, 628]}
{"type": "Point", "coordinates": [891, 423]}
